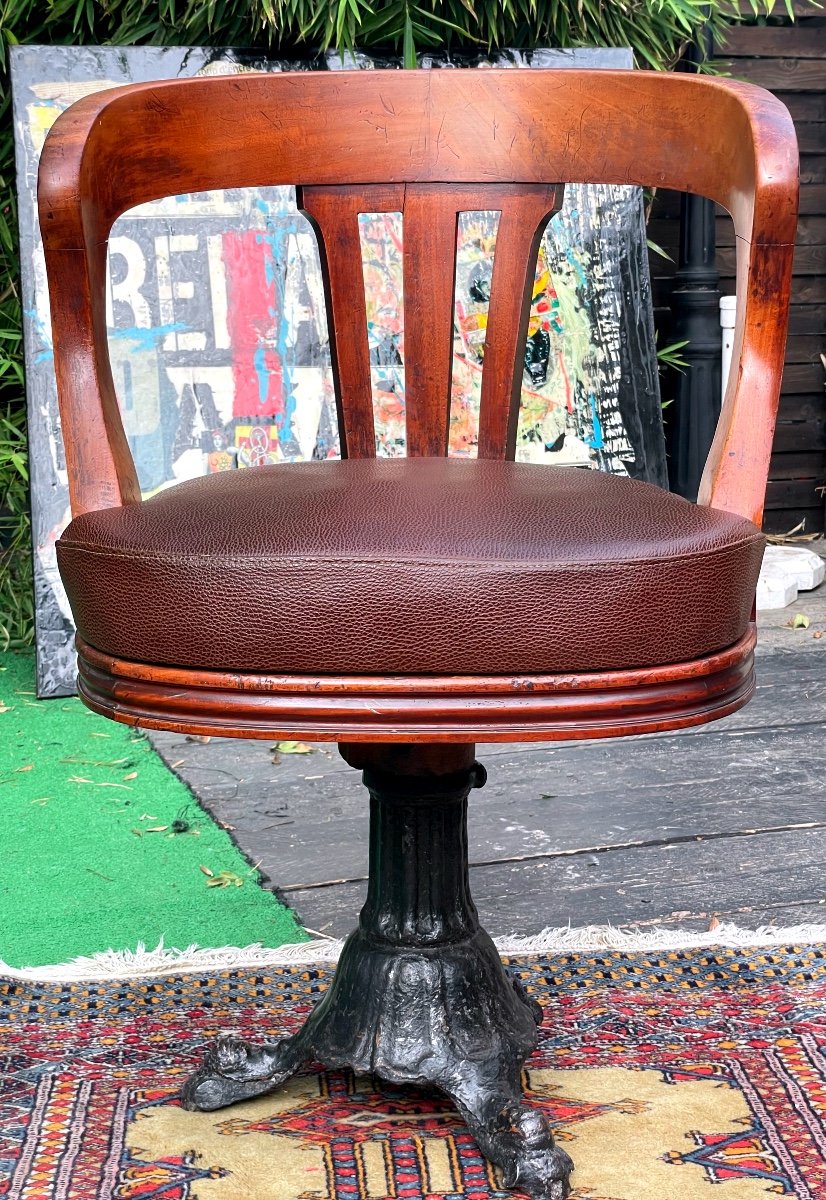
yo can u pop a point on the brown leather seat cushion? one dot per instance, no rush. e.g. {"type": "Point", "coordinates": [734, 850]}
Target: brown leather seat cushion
{"type": "Point", "coordinates": [413, 566]}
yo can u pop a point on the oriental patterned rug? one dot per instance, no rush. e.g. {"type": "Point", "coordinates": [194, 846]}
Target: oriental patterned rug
{"type": "Point", "coordinates": [670, 1075]}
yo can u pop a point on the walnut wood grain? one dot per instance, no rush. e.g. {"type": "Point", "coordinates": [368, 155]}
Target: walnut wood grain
{"type": "Point", "coordinates": [429, 231]}
{"type": "Point", "coordinates": [334, 213]}
{"type": "Point", "coordinates": [122, 147]}
{"type": "Point", "coordinates": [419, 708]}
{"type": "Point", "coordinates": [523, 217]}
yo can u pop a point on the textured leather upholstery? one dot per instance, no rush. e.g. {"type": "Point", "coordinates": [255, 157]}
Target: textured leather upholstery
{"type": "Point", "coordinates": [412, 566]}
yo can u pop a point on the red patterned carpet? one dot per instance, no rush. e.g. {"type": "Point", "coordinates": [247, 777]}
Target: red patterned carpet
{"type": "Point", "coordinates": [667, 1075]}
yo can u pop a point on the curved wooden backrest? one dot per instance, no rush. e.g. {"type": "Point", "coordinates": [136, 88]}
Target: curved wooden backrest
{"type": "Point", "coordinates": [429, 144]}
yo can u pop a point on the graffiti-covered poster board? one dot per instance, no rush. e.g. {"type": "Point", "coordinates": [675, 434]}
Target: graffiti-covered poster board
{"type": "Point", "coordinates": [218, 335]}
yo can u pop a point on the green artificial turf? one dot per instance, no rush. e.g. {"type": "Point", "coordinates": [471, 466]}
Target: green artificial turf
{"type": "Point", "coordinates": [82, 869]}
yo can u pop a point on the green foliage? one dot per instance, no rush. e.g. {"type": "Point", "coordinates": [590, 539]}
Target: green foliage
{"type": "Point", "coordinates": [670, 356]}
{"type": "Point", "coordinates": [658, 31]}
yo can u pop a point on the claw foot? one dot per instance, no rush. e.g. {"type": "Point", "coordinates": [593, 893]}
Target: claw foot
{"type": "Point", "coordinates": [235, 1070]}
{"type": "Point", "coordinates": [520, 1142]}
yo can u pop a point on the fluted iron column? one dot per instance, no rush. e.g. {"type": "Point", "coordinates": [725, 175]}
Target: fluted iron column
{"type": "Point", "coordinates": [419, 892]}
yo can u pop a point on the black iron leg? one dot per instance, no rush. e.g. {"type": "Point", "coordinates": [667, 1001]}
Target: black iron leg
{"type": "Point", "coordinates": [510, 1133]}
{"type": "Point", "coordinates": [420, 994]}
{"type": "Point", "coordinates": [235, 1070]}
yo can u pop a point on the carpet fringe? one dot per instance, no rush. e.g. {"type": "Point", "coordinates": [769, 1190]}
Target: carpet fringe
{"type": "Point", "coordinates": [129, 964]}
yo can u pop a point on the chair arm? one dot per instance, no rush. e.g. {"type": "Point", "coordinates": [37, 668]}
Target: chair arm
{"type": "Point", "coordinates": [736, 471]}
{"type": "Point", "coordinates": [99, 464]}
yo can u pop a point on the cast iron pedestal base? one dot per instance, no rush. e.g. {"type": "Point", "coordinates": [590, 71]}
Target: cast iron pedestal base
{"type": "Point", "coordinates": [420, 994]}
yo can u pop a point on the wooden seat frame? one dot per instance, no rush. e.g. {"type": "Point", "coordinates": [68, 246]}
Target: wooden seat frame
{"type": "Point", "coordinates": [420, 994]}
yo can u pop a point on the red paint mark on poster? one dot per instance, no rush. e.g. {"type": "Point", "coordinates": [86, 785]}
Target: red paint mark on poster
{"type": "Point", "coordinates": [252, 323]}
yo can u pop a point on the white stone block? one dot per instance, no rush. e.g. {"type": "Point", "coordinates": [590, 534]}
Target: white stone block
{"type": "Point", "coordinates": [775, 591]}
{"type": "Point", "coordinates": [806, 568]}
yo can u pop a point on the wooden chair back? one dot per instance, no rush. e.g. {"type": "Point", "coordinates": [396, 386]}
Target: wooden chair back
{"type": "Point", "coordinates": [428, 144]}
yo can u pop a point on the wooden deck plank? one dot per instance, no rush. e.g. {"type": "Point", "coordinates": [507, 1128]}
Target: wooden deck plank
{"type": "Point", "coordinates": [778, 41]}
{"type": "Point", "coordinates": [672, 883]}
{"type": "Point", "coordinates": [234, 767]}
{"type": "Point", "coordinates": [577, 799]}
{"type": "Point", "coordinates": [540, 801]}
{"type": "Point", "coordinates": [725, 818]}
{"type": "Point", "coordinates": [777, 74]}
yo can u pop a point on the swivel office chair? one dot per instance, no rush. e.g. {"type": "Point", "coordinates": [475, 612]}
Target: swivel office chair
{"type": "Point", "coordinates": [381, 604]}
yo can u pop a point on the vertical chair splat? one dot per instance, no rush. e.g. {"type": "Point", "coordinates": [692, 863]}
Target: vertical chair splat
{"type": "Point", "coordinates": [525, 211]}
{"type": "Point", "coordinates": [334, 214]}
{"type": "Point", "coordinates": [430, 213]}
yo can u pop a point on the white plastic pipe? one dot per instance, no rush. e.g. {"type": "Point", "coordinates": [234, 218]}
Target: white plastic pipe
{"type": "Point", "coordinates": [727, 306]}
